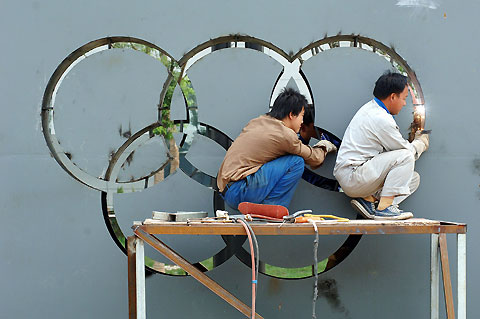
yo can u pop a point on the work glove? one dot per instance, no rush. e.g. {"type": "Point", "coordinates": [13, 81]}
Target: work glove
{"type": "Point", "coordinates": [421, 143]}
{"type": "Point", "coordinates": [326, 145]}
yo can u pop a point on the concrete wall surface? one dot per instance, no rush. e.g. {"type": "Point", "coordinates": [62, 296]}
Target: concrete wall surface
{"type": "Point", "coordinates": [58, 260]}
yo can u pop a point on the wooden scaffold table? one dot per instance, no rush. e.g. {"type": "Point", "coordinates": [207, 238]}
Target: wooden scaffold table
{"type": "Point", "coordinates": [144, 233]}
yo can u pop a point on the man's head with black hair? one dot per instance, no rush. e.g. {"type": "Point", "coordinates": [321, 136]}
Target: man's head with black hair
{"type": "Point", "coordinates": [289, 107]}
{"type": "Point", "coordinates": [391, 88]}
{"type": "Point", "coordinates": [309, 116]}
{"type": "Point", "coordinates": [288, 101]}
{"type": "Point", "coordinates": [307, 130]}
{"type": "Point", "coordinates": [390, 82]}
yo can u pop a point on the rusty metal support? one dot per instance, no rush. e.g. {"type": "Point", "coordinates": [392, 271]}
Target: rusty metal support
{"type": "Point", "coordinates": [194, 272]}
{"type": "Point", "coordinates": [434, 278]}
{"type": "Point", "coordinates": [447, 283]}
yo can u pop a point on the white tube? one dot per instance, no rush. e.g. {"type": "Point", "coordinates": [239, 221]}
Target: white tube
{"type": "Point", "coordinates": [140, 274]}
{"type": "Point", "coordinates": [462, 275]}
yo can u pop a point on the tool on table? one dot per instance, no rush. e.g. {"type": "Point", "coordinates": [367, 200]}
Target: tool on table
{"type": "Point", "coordinates": [291, 218]}
{"type": "Point", "coordinates": [309, 217]}
{"type": "Point", "coordinates": [220, 217]}
{"type": "Point", "coordinates": [274, 211]}
{"type": "Point", "coordinates": [298, 218]}
{"type": "Point", "coordinates": [178, 216]}
{"type": "Point", "coordinates": [277, 213]}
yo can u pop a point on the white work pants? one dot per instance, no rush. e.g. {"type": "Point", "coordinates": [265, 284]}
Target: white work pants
{"type": "Point", "coordinates": [387, 174]}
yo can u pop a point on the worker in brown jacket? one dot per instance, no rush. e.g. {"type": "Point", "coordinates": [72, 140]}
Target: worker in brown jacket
{"type": "Point", "coordinates": [266, 161]}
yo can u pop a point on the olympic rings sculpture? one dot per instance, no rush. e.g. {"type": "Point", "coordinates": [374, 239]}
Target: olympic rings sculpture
{"type": "Point", "coordinates": [163, 128]}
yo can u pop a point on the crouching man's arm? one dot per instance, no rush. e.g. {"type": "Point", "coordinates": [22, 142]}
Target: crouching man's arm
{"type": "Point", "coordinates": [313, 156]}
{"type": "Point", "coordinates": [392, 139]}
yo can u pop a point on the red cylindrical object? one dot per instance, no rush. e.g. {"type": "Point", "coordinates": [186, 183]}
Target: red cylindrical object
{"type": "Point", "coordinates": [275, 211]}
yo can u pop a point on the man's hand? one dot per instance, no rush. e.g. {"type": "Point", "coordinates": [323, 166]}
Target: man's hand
{"type": "Point", "coordinates": [424, 138]}
{"type": "Point", "coordinates": [421, 142]}
{"type": "Point", "coordinates": [326, 145]}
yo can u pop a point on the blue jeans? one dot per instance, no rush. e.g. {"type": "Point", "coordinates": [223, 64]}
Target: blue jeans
{"type": "Point", "coordinates": [274, 183]}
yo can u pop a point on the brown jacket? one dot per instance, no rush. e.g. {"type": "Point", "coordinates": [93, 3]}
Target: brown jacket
{"type": "Point", "coordinates": [263, 140]}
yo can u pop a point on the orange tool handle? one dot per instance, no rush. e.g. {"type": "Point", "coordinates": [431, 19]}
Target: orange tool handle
{"type": "Point", "coordinates": [301, 220]}
{"type": "Point", "coordinates": [307, 217]}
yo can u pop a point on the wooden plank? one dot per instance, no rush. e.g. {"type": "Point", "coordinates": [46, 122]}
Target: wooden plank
{"type": "Point", "coordinates": [356, 227]}
{"type": "Point", "coordinates": [132, 278]}
{"type": "Point", "coordinates": [195, 273]}
{"type": "Point", "coordinates": [412, 221]}
{"type": "Point", "coordinates": [447, 283]}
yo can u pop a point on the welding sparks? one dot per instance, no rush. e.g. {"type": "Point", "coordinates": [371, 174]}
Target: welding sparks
{"type": "Point", "coordinates": [420, 109]}
{"type": "Point", "coordinates": [419, 116]}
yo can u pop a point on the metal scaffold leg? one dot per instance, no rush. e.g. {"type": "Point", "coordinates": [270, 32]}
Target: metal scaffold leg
{"type": "Point", "coordinates": [462, 275]}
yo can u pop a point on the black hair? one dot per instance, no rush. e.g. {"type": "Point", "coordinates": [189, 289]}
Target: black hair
{"type": "Point", "coordinates": [390, 82]}
{"type": "Point", "coordinates": [288, 101]}
{"type": "Point", "coordinates": [309, 116]}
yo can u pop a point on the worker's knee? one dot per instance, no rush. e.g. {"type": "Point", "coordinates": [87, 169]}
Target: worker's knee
{"type": "Point", "coordinates": [416, 177]}
{"type": "Point", "coordinates": [415, 181]}
{"type": "Point", "coordinates": [297, 160]}
{"type": "Point", "coordinates": [297, 164]}
{"type": "Point", "coordinates": [405, 156]}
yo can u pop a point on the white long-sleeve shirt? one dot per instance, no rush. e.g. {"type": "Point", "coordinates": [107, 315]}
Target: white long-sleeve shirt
{"type": "Point", "coordinates": [371, 131]}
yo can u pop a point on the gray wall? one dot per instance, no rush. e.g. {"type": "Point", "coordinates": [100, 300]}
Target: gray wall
{"type": "Point", "coordinates": [57, 258]}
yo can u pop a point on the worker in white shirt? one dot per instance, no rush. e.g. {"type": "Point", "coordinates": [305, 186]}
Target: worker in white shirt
{"type": "Point", "coordinates": [375, 164]}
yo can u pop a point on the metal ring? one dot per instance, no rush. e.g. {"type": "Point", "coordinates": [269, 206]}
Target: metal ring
{"type": "Point", "coordinates": [177, 75]}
